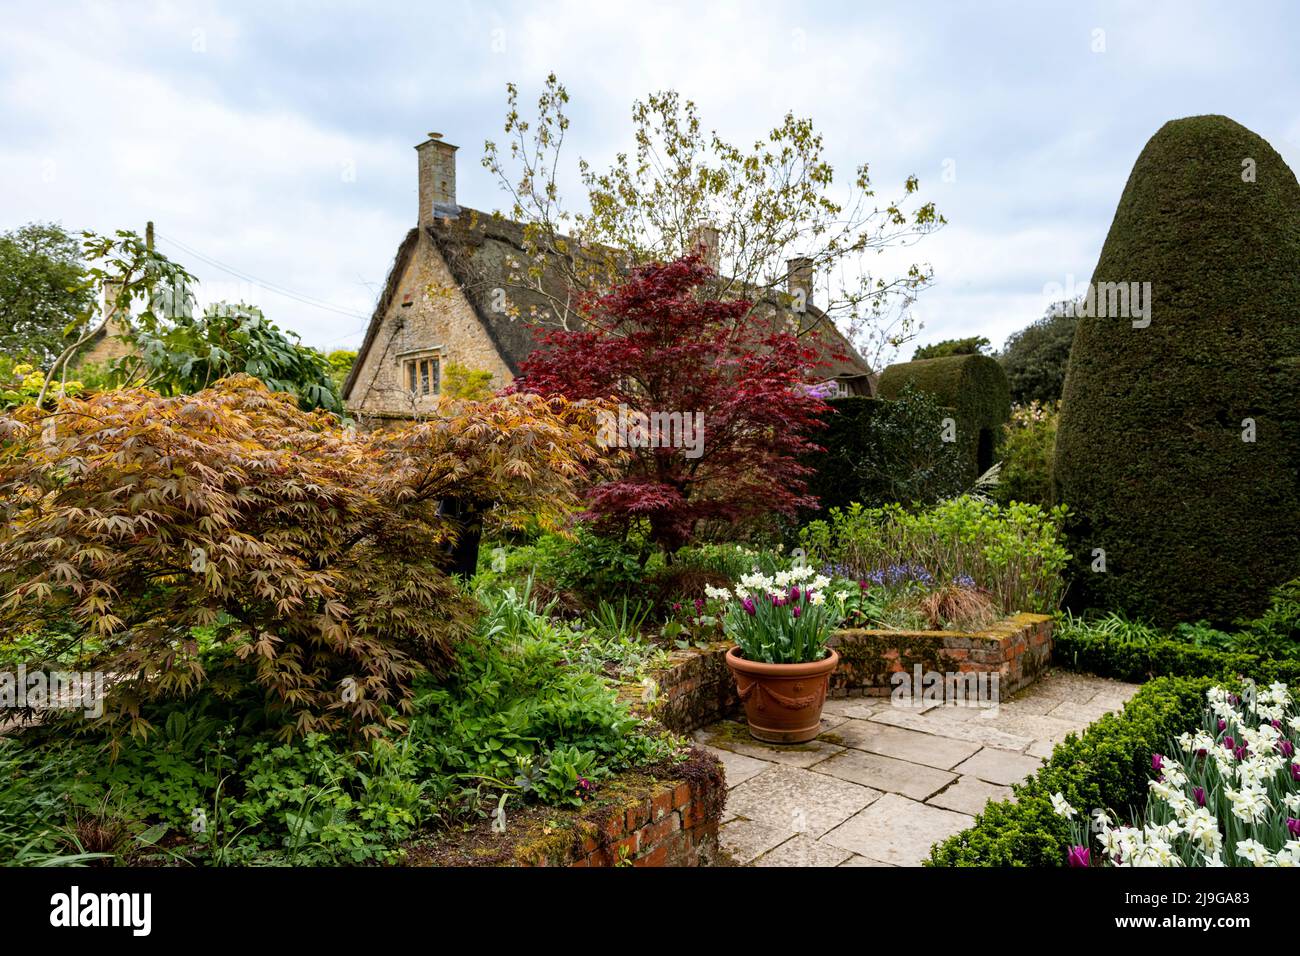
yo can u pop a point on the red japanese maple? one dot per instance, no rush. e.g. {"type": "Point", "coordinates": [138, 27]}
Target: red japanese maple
{"type": "Point", "coordinates": [665, 355]}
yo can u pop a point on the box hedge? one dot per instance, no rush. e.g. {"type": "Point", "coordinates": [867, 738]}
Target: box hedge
{"type": "Point", "coordinates": [1108, 766]}
{"type": "Point", "coordinates": [1178, 445]}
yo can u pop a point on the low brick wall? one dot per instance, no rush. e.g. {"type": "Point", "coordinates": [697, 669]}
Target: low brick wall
{"type": "Point", "coordinates": [696, 688]}
{"type": "Point", "coordinates": [670, 822]}
{"type": "Point", "coordinates": [1018, 649]}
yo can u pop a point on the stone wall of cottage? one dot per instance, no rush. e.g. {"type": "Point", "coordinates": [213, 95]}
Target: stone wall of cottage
{"type": "Point", "coordinates": [428, 310]}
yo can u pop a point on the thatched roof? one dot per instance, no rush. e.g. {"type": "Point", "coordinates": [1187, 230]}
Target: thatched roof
{"type": "Point", "coordinates": [486, 253]}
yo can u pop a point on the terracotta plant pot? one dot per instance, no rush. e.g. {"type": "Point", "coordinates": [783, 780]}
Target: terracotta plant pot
{"type": "Point", "coordinates": [783, 702]}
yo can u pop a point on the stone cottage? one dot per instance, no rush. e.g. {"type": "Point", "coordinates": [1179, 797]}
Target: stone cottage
{"type": "Point", "coordinates": [454, 294]}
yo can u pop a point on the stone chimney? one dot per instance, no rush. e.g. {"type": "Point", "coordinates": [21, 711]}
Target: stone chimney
{"type": "Point", "coordinates": [799, 278]}
{"type": "Point", "coordinates": [437, 162]}
{"type": "Point", "coordinates": [707, 241]}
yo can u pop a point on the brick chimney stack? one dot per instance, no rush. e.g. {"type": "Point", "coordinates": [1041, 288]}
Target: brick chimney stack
{"type": "Point", "coordinates": [799, 278]}
{"type": "Point", "coordinates": [437, 162]}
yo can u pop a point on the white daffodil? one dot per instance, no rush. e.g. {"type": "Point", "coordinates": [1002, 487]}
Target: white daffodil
{"type": "Point", "coordinates": [1062, 806]}
{"type": "Point", "coordinates": [1254, 853]}
{"type": "Point", "coordinates": [719, 594]}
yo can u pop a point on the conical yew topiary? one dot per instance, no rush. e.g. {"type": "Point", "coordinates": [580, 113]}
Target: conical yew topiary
{"type": "Point", "coordinates": [1179, 440]}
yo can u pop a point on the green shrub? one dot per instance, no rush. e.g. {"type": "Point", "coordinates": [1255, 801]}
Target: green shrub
{"type": "Point", "coordinates": [1013, 552]}
{"type": "Point", "coordinates": [1035, 358]}
{"type": "Point", "coordinates": [523, 716]}
{"type": "Point", "coordinates": [1030, 443]}
{"type": "Point", "coordinates": [585, 566]}
{"type": "Point", "coordinates": [974, 387]}
{"type": "Point", "coordinates": [879, 452]}
{"type": "Point", "coordinates": [1108, 767]}
{"type": "Point", "coordinates": [1196, 522]}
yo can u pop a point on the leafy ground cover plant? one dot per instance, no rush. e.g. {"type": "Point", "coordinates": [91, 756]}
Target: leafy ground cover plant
{"type": "Point", "coordinates": [1014, 553]}
{"type": "Point", "coordinates": [520, 718]}
{"type": "Point", "coordinates": [1230, 796]}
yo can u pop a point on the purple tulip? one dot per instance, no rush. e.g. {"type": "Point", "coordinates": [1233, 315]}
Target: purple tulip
{"type": "Point", "coordinates": [1277, 724]}
{"type": "Point", "coordinates": [1157, 761]}
{"type": "Point", "coordinates": [1199, 794]}
{"type": "Point", "coordinates": [1293, 827]}
{"type": "Point", "coordinates": [748, 605]}
{"type": "Point", "coordinates": [1201, 753]}
{"type": "Point", "coordinates": [794, 593]}
{"type": "Point", "coordinates": [1240, 752]}
{"type": "Point", "coordinates": [1079, 856]}
{"type": "Point", "coordinates": [796, 610]}
{"type": "Point", "coordinates": [1229, 743]}
{"type": "Point", "coordinates": [1295, 772]}
{"type": "Point", "coordinates": [1223, 725]}
{"type": "Point", "coordinates": [1287, 748]}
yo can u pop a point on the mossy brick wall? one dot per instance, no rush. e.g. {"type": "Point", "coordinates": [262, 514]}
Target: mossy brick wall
{"type": "Point", "coordinates": [1018, 649]}
{"type": "Point", "coordinates": [668, 822]}
{"type": "Point", "coordinates": [696, 688]}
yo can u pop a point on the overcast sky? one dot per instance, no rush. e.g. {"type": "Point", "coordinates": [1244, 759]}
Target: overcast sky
{"type": "Point", "coordinates": [274, 139]}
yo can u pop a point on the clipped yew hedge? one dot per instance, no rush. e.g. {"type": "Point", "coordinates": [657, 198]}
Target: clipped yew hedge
{"type": "Point", "coordinates": [1195, 522]}
{"type": "Point", "coordinates": [974, 387]}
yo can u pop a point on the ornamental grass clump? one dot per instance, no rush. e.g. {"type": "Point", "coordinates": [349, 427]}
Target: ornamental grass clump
{"type": "Point", "coordinates": [782, 618]}
{"type": "Point", "coordinates": [1231, 796]}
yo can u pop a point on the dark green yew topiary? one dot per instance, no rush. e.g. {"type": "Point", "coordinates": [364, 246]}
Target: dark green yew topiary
{"type": "Point", "coordinates": [1154, 451]}
{"type": "Point", "coordinates": [974, 387]}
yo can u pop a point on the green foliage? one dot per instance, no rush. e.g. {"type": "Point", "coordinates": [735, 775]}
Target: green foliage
{"type": "Point", "coordinates": [1153, 453]}
{"type": "Point", "coordinates": [879, 452]}
{"type": "Point", "coordinates": [187, 354]}
{"type": "Point", "coordinates": [461, 381]}
{"type": "Point", "coordinates": [43, 289]}
{"type": "Point", "coordinates": [1036, 357]}
{"type": "Point", "coordinates": [1107, 767]}
{"type": "Point", "coordinates": [340, 363]}
{"type": "Point", "coordinates": [973, 345]}
{"type": "Point", "coordinates": [974, 388]}
{"type": "Point", "coordinates": [1027, 452]}
{"type": "Point", "coordinates": [1014, 552]}
{"type": "Point", "coordinates": [520, 715]}
{"type": "Point", "coordinates": [586, 565]}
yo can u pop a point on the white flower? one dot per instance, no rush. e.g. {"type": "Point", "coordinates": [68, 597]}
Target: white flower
{"type": "Point", "coordinates": [816, 597]}
{"type": "Point", "coordinates": [1062, 806]}
{"type": "Point", "coordinates": [1254, 853]}
{"type": "Point", "coordinates": [720, 594]}
{"type": "Point", "coordinates": [1249, 803]}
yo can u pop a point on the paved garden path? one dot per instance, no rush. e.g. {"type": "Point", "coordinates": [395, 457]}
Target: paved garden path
{"type": "Point", "coordinates": [883, 783]}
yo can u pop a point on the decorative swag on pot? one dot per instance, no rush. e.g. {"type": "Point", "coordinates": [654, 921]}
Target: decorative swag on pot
{"type": "Point", "coordinates": [782, 666]}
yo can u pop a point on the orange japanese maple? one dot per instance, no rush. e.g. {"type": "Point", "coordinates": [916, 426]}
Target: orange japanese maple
{"type": "Point", "coordinates": [313, 553]}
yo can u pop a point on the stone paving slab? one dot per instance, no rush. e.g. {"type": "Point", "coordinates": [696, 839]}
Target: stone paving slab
{"type": "Point", "coordinates": [897, 830]}
{"type": "Point", "coordinates": [802, 851]}
{"type": "Point", "coordinates": [738, 767]}
{"type": "Point", "coordinates": [1003, 767]}
{"type": "Point", "coordinates": [969, 795]}
{"type": "Point", "coordinates": [886, 773]}
{"type": "Point", "coordinates": [734, 736]}
{"type": "Point", "coordinates": [883, 784]}
{"type": "Point", "coordinates": [800, 801]}
{"type": "Point", "coordinates": [943, 753]}
{"type": "Point", "coordinates": [957, 723]}
{"type": "Point", "coordinates": [746, 840]}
